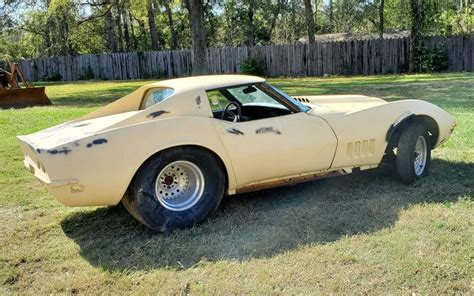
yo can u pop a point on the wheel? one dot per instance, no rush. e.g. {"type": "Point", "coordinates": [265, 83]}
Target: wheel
{"type": "Point", "coordinates": [413, 153]}
{"type": "Point", "coordinates": [177, 188]}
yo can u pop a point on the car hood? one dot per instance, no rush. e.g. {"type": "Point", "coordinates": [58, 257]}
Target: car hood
{"type": "Point", "coordinates": [339, 104]}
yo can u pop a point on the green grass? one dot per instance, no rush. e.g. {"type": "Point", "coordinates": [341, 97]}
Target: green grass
{"type": "Point", "coordinates": [358, 234]}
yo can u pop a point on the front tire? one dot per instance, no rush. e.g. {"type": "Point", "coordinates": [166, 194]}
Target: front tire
{"type": "Point", "coordinates": [177, 188]}
{"type": "Point", "coordinates": [413, 153]}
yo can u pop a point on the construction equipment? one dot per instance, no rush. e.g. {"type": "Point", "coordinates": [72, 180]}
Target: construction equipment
{"type": "Point", "coordinates": [12, 95]}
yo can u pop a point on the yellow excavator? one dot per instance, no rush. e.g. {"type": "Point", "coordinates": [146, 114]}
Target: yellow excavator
{"type": "Point", "coordinates": [12, 95]}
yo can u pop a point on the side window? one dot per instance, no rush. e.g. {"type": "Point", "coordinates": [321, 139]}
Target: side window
{"type": "Point", "coordinates": [155, 95]}
{"type": "Point", "coordinates": [217, 100]}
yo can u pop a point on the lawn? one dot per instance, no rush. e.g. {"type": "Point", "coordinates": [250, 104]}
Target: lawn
{"type": "Point", "coordinates": [358, 234]}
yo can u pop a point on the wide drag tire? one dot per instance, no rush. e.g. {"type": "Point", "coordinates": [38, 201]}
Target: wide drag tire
{"type": "Point", "coordinates": [176, 188]}
{"type": "Point", "coordinates": [413, 153]}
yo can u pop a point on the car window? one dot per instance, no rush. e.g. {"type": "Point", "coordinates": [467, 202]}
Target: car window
{"type": "Point", "coordinates": [217, 100]}
{"type": "Point", "coordinates": [250, 94]}
{"type": "Point", "coordinates": [155, 96]}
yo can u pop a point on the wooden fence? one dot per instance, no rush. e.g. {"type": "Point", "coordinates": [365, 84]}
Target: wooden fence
{"type": "Point", "coordinates": [372, 56]}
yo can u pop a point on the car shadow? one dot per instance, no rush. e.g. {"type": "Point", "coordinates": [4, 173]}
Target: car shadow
{"type": "Point", "coordinates": [266, 223]}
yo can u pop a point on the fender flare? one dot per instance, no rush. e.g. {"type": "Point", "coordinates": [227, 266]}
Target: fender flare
{"type": "Point", "coordinates": [430, 123]}
{"type": "Point", "coordinates": [401, 121]}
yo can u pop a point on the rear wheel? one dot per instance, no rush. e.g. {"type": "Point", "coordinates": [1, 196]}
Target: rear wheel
{"type": "Point", "coordinates": [413, 153]}
{"type": "Point", "coordinates": [177, 188]}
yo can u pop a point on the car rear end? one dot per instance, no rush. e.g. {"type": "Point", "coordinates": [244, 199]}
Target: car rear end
{"type": "Point", "coordinates": [71, 158]}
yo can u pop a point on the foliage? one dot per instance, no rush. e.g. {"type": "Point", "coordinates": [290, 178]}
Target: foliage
{"type": "Point", "coordinates": [38, 28]}
{"type": "Point", "coordinates": [251, 66]}
{"type": "Point", "coordinates": [434, 60]}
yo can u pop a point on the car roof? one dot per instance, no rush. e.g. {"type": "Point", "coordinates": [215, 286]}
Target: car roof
{"type": "Point", "coordinates": [206, 82]}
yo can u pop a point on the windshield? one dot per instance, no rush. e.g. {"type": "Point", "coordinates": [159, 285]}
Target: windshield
{"type": "Point", "coordinates": [300, 105]}
{"type": "Point", "coordinates": [252, 95]}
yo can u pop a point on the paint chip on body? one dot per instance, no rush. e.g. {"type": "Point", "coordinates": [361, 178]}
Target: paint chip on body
{"type": "Point", "coordinates": [267, 129]}
{"type": "Point", "coordinates": [157, 113]}
{"type": "Point", "coordinates": [97, 142]}
{"type": "Point", "coordinates": [63, 150]}
{"type": "Point", "coordinates": [235, 131]}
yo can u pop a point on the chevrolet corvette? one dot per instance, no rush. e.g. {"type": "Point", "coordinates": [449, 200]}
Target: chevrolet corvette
{"type": "Point", "coordinates": [172, 149]}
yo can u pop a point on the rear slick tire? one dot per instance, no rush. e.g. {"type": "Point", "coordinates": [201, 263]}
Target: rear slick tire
{"type": "Point", "coordinates": [177, 188]}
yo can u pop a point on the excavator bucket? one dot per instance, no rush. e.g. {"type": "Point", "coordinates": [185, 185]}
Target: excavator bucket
{"type": "Point", "coordinates": [23, 97]}
{"type": "Point", "coordinates": [12, 95]}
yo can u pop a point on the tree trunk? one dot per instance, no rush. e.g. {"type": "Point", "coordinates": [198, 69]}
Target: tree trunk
{"type": "Point", "coordinates": [152, 25]}
{"type": "Point", "coordinates": [169, 14]}
{"type": "Point", "coordinates": [293, 21]}
{"type": "Point", "coordinates": [274, 19]}
{"type": "Point", "coordinates": [126, 32]}
{"type": "Point", "coordinates": [308, 11]}
{"type": "Point", "coordinates": [47, 37]}
{"type": "Point", "coordinates": [331, 16]}
{"type": "Point", "coordinates": [381, 18]}
{"type": "Point", "coordinates": [416, 45]}
{"type": "Point", "coordinates": [118, 26]}
{"type": "Point", "coordinates": [110, 32]}
{"type": "Point", "coordinates": [198, 34]}
{"type": "Point", "coordinates": [132, 31]}
{"type": "Point", "coordinates": [250, 25]}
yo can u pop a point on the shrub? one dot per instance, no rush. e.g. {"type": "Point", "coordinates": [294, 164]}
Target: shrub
{"type": "Point", "coordinates": [251, 66]}
{"type": "Point", "coordinates": [434, 60]}
{"type": "Point", "coordinates": [53, 77]}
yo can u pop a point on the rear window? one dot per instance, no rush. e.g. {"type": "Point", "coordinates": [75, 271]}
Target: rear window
{"type": "Point", "coordinates": [155, 95]}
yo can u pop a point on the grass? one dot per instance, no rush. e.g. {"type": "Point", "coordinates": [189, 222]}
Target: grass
{"type": "Point", "coordinates": [358, 234]}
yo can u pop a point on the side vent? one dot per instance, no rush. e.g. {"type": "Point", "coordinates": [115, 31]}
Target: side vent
{"type": "Point", "coordinates": [303, 100]}
{"type": "Point", "coordinates": [360, 149]}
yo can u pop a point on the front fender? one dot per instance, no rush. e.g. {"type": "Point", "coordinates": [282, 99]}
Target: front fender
{"type": "Point", "coordinates": [439, 122]}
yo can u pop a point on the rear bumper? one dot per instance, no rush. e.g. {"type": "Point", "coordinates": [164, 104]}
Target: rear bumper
{"type": "Point", "coordinates": [39, 173]}
{"type": "Point", "coordinates": [34, 163]}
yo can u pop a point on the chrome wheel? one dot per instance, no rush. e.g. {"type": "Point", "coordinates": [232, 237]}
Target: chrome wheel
{"type": "Point", "coordinates": [420, 155]}
{"type": "Point", "coordinates": [179, 185]}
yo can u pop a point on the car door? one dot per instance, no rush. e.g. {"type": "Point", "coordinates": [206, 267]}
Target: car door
{"type": "Point", "coordinates": [276, 147]}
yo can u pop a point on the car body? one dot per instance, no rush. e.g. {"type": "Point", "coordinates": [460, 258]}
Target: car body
{"type": "Point", "coordinates": [91, 161]}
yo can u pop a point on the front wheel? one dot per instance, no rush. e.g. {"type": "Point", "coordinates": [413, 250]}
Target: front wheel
{"type": "Point", "coordinates": [413, 153]}
{"type": "Point", "coordinates": [177, 188]}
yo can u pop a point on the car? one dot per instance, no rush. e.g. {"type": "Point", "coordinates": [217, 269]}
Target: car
{"type": "Point", "coordinates": [172, 149]}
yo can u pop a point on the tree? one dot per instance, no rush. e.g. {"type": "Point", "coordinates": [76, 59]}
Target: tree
{"type": "Point", "coordinates": [275, 13]}
{"type": "Point", "coordinates": [308, 10]}
{"type": "Point", "coordinates": [417, 27]}
{"type": "Point", "coordinates": [152, 25]}
{"type": "Point", "coordinates": [198, 35]}
{"type": "Point", "coordinates": [331, 16]}
{"type": "Point", "coordinates": [169, 16]}
{"type": "Point", "coordinates": [39, 28]}
{"type": "Point", "coordinates": [381, 17]}
{"type": "Point", "coordinates": [110, 31]}
{"type": "Point", "coordinates": [250, 23]}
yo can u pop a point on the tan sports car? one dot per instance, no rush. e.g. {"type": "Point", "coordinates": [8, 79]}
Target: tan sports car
{"type": "Point", "coordinates": [172, 149]}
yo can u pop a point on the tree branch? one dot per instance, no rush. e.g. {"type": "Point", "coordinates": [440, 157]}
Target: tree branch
{"type": "Point", "coordinates": [32, 31]}
{"type": "Point", "coordinates": [92, 17]}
